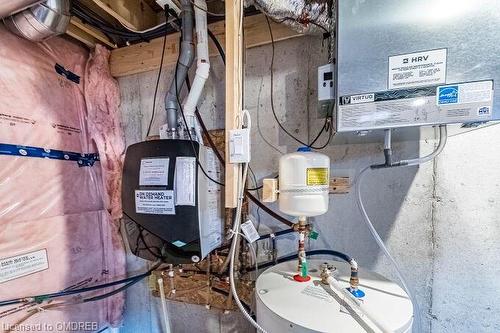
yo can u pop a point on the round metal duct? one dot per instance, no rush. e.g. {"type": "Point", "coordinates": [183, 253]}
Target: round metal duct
{"type": "Point", "coordinates": [41, 21]}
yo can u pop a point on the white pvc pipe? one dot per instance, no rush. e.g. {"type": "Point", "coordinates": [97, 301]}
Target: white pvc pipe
{"type": "Point", "coordinates": [202, 63]}
{"type": "Point", "coordinates": [371, 320]}
{"type": "Point", "coordinates": [166, 321]}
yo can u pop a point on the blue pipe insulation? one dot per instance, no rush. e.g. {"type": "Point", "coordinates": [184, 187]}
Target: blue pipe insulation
{"type": "Point", "coordinates": [333, 253]}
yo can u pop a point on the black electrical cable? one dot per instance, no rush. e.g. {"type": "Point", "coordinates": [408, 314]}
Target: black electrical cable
{"type": "Point", "coordinates": [41, 298]}
{"type": "Point", "coordinates": [159, 74]}
{"type": "Point", "coordinates": [218, 46]}
{"type": "Point", "coordinates": [90, 17]}
{"type": "Point", "coordinates": [272, 100]}
{"type": "Point", "coordinates": [266, 209]}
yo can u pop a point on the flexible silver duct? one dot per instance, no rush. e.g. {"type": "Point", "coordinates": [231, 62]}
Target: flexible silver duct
{"type": "Point", "coordinates": [304, 16]}
{"type": "Point", "coordinates": [9, 7]}
{"type": "Point", "coordinates": [41, 21]}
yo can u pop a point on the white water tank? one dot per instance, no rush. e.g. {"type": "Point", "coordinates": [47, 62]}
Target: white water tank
{"type": "Point", "coordinates": [285, 305]}
{"type": "Point", "coordinates": [304, 178]}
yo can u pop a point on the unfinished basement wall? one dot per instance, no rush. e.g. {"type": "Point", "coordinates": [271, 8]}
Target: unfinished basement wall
{"type": "Point", "coordinates": [439, 220]}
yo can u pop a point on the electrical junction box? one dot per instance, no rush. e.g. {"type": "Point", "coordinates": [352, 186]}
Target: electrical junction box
{"type": "Point", "coordinates": [416, 62]}
{"type": "Point", "coordinates": [171, 209]}
{"type": "Point", "coordinates": [326, 90]}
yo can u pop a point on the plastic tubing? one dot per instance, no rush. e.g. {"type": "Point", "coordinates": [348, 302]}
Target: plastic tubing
{"type": "Point", "coordinates": [443, 136]}
{"type": "Point", "coordinates": [380, 242]}
{"type": "Point", "coordinates": [359, 200]}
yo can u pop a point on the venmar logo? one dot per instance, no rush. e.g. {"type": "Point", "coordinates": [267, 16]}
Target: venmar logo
{"type": "Point", "coordinates": [448, 95]}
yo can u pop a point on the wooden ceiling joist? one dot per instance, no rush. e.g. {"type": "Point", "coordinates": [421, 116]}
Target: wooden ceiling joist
{"type": "Point", "coordinates": [82, 30]}
{"type": "Point", "coordinates": [145, 57]}
{"type": "Point", "coordinates": [134, 14]}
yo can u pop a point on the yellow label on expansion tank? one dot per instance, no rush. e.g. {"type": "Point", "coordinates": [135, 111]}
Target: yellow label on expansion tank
{"type": "Point", "coordinates": [317, 176]}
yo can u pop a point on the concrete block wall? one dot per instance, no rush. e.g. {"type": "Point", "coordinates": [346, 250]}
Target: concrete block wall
{"type": "Point", "coordinates": [439, 220]}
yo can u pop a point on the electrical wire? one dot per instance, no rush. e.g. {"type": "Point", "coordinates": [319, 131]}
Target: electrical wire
{"type": "Point", "coordinates": [90, 17]}
{"type": "Point", "coordinates": [159, 75]}
{"type": "Point", "coordinates": [272, 99]}
{"type": "Point", "coordinates": [44, 297]}
{"type": "Point", "coordinates": [187, 126]}
{"type": "Point", "coordinates": [266, 209]}
{"type": "Point", "coordinates": [206, 11]}
{"type": "Point", "coordinates": [217, 45]}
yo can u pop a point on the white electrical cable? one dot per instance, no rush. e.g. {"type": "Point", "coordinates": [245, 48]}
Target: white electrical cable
{"type": "Point", "coordinates": [236, 234]}
{"type": "Point", "coordinates": [376, 236]}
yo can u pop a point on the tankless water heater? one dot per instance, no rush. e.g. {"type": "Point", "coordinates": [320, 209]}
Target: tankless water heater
{"type": "Point", "coordinates": [417, 62]}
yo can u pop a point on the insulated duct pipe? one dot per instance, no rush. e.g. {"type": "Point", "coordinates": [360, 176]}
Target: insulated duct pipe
{"type": "Point", "coordinates": [9, 7]}
{"type": "Point", "coordinates": [304, 16]}
{"type": "Point", "coordinates": [185, 61]}
{"type": "Point", "coordinates": [202, 65]}
{"type": "Point", "coordinates": [41, 21]}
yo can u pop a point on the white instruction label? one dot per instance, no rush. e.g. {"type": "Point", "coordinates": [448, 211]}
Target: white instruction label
{"type": "Point", "coordinates": [185, 181]}
{"type": "Point", "coordinates": [417, 69]}
{"type": "Point", "coordinates": [250, 232]}
{"type": "Point", "coordinates": [154, 172]}
{"type": "Point", "coordinates": [317, 292]}
{"type": "Point", "coordinates": [22, 265]}
{"type": "Point", "coordinates": [154, 202]}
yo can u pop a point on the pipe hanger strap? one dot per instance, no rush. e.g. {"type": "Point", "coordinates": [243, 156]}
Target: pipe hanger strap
{"type": "Point", "coordinates": [82, 159]}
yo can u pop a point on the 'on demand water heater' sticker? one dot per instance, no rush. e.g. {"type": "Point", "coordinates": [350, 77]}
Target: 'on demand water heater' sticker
{"type": "Point", "coordinates": [417, 69]}
{"type": "Point", "coordinates": [317, 176]}
{"type": "Point", "coordinates": [22, 265]}
{"type": "Point", "coordinates": [154, 172]}
{"type": "Point", "coordinates": [154, 202]}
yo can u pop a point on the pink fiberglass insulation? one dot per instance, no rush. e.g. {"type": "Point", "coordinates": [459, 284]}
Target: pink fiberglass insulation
{"type": "Point", "coordinates": [58, 222]}
{"type": "Point", "coordinates": [102, 95]}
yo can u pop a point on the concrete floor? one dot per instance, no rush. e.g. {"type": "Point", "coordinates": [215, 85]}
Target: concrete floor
{"type": "Point", "coordinates": [439, 220]}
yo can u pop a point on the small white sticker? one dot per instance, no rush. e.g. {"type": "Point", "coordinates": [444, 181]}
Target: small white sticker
{"type": "Point", "coordinates": [417, 69]}
{"type": "Point", "coordinates": [185, 184]}
{"type": "Point", "coordinates": [22, 265]}
{"type": "Point", "coordinates": [365, 98]}
{"type": "Point", "coordinates": [250, 232]}
{"type": "Point", "coordinates": [154, 202]}
{"type": "Point", "coordinates": [154, 172]}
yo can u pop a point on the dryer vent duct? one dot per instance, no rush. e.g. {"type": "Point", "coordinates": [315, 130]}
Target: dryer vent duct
{"type": "Point", "coordinates": [304, 16]}
{"type": "Point", "coordinates": [42, 21]}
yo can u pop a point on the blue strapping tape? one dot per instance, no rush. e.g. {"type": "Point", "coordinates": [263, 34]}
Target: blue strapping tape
{"type": "Point", "coordinates": [87, 159]}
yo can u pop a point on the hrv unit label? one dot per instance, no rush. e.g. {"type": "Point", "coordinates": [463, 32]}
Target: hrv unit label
{"type": "Point", "coordinates": [22, 265]}
{"type": "Point", "coordinates": [154, 202]}
{"type": "Point", "coordinates": [439, 104]}
{"type": "Point", "coordinates": [417, 69]}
